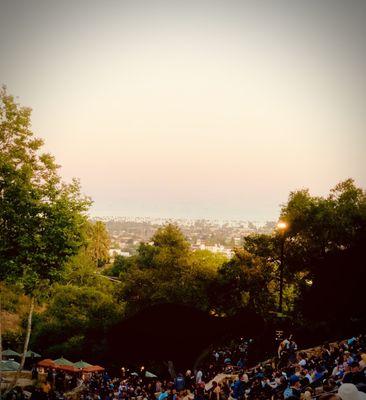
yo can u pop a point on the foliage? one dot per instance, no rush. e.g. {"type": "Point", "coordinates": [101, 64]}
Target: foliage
{"type": "Point", "coordinates": [84, 302]}
{"type": "Point", "coordinates": [98, 243]}
{"type": "Point", "coordinates": [120, 266]}
{"type": "Point", "coordinates": [13, 340]}
{"type": "Point", "coordinates": [265, 246]}
{"type": "Point", "coordinates": [154, 277]}
{"type": "Point", "coordinates": [321, 231]}
{"type": "Point", "coordinates": [242, 282]}
{"type": "Point", "coordinates": [10, 299]}
{"type": "Point", "coordinates": [320, 225]}
{"type": "Point", "coordinates": [329, 235]}
{"type": "Point", "coordinates": [72, 314]}
{"type": "Point", "coordinates": [80, 270]}
{"type": "Point", "coordinates": [207, 260]}
{"type": "Point", "coordinates": [41, 217]}
{"type": "Point", "coordinates": [167, 271]}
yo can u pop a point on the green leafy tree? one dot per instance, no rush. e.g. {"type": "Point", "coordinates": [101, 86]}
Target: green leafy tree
{"type": "Point", "coordinates": [267, 247]}
{"type": "Point", "coordinates": [80, 312]}
{"type": "Point", "coordinates": [41, 218]}
{"type": "Point", "coordinates": [155, 276]}
{"type": "Point", "coordinates": [81, 271]}
{"type": "Point", "coordinates": [207, 260]}
{"type": "Point", "coordinates": [120, 266]}
{"type": "Point", "coordinates": [98, 243]}
{"type": "Point", "coordinates": [318, 226]}
{"type": "Point", "coordinates": [168, 271]}
{"type": "Point", "coordinates": [326, 239]}
{"type": "Point", "coordinates": [263, 245]}
{"type": "Point", "coordinates": [242, 282]}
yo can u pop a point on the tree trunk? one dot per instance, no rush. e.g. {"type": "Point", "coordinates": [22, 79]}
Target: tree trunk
{"type": "Point", "coordinates": [27, 336]}
{"type": "Point", "coordinates": [26, 343]}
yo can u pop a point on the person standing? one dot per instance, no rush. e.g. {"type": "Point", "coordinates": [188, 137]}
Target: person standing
{"type": "Point", "coordinates": [239, 388]}
{"type": "Point", "coordinates": [199, 375]}
{"type": "Point", "coordinates": [179, 382]}
{"type": "Point", "coordinates": [293, 391]}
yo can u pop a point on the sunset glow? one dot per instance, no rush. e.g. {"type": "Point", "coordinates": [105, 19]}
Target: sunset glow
{"type": "Point", "coordinates": [192, 108]}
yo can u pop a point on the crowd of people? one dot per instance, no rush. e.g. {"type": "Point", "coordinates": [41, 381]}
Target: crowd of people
{"type": "Point", "coordinates": [330, 372]}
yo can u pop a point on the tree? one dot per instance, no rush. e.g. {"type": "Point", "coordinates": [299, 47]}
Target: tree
{"type": "Point", "coordinates": [267, 247]}
{"type": "Point", "coordinates": [98, 243]}
{"type": "Point", "coordinates": [80, 271]}
{"type": "Point", "coordinates": [208, 261]}
{"type": "Point", "coordinates": [42, 219]}
{"type": "Point", "coordinates": [242, 282]}
{"type": "Point", "coordinates": [84, 312]}
{"type": "Point", "coordinates": [167, 271]}
{"type": "Point", "coordinates": [263, 245]}
{"type": "Point", "coordinates": [198, 278]}
{"type": "Point", "coordinates": [328, 235]}
{"type": "Point", "coordinates": [156, 274]}
{"type": "Point", "coordinates": [321, 225]}
{"type": "Point", "coordinates": [322, 233]}
{"type": "Point", "coordinates": [120, 266]}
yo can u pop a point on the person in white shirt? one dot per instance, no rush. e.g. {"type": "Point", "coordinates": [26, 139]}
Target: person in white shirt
{"type": "Point", "coordinates": [199, 376]}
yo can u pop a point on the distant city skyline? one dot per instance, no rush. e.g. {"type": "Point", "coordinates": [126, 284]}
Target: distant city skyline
{"type": "Point", "coordinates": [197, 109]}
{"type": "Point", "coordinates": [141, 218]}
{"type": "Point", "coordinates": [183, 216]}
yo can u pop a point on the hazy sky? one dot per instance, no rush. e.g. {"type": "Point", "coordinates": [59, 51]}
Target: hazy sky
{"type": "Point", "coordinates": [193, 108]}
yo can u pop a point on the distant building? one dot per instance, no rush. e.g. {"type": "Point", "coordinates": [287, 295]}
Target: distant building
{"type": "Point", "coordinates": [214, 249]}
{"type": "Point", "coordinates": [237, 241]}
{"type": "Point", "coordinates": [118, 252]}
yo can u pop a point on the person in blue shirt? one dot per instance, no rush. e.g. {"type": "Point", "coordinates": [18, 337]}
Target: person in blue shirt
{"type": "Point", "coordinates": [164, 394]}
{"type": "Point", "coordinates": [293, 391]}
{"type": "Point", "coordinates": [319, 373]}
{"type": "Point", "coordinates": [179, 382]}
{"type": "Point", "coordinates": [239, 388]}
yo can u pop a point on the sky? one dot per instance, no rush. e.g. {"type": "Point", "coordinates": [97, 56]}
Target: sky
{"type": "Point", "coordinates": [214, 109]}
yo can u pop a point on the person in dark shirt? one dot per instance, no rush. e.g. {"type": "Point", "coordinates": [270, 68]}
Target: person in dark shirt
{"type": "Point", "coordinates": [355, 376]}
{"type": "Point", "coordinates": [179, 382]}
